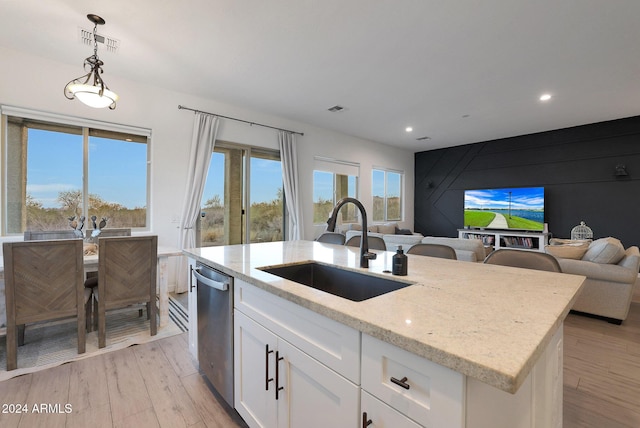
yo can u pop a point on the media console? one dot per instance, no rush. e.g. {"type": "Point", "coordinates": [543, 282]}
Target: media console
{"type": "Point", "coordinates": [532, 241]}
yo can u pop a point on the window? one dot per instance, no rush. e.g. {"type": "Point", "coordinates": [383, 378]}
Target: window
{"type": "Point", "coordinates": [55, 171]}
{"type": "Point", "coordinates": [332, 181]}
{"type": "Point", "coordinates": [387, 195]}
{"type": "Point", "coordinates": [238, 177]}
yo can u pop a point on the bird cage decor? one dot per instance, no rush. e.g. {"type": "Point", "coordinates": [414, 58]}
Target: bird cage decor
{"type": "Point", "coordinates": [581, 231]}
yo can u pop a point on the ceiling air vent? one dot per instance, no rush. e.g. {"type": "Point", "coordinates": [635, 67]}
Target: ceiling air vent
{"type": "Point", "coordinates": [335, 109]}
{"type": "Point", "coordinates": [423, 138]}
{"type": "Point", "coordinates": [110, 44]}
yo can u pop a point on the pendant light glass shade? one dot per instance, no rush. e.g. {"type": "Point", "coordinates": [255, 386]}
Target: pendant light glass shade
{"type": "Point", "coordinates": [90, 95]}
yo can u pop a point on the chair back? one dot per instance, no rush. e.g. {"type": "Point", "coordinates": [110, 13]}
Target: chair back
{"type": "Point", "coordinates": [42, 235]}
{"type": "Point", "coordinates": [331, 238]}
{"type": "Point", "coordinates": [433, 250]}
{"type": "Point", "coordinates": [375, 242]}
{"type": "Point", "coordinates": [127, 269]}
{"type": "Point", "coordinates": [43, 281]}
{"type": "Point", "coordinates": [524, 259]}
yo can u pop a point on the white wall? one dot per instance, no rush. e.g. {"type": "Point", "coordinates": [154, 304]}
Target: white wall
{"type": "Point", "coordinates": [37, 83]}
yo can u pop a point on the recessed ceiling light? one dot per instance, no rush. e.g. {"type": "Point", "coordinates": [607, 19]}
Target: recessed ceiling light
{"type": "Point", "coordinates": [545, 97]}
{"type": "Point", "coordinates": [408, 129]}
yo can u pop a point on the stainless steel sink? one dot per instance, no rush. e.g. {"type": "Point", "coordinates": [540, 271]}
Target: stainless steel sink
{"type": "Point", "coordinates": [339, 282]}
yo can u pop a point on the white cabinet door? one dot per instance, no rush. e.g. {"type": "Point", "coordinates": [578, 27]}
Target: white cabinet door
{"type": "Point", "coordinates": [309, 394]}
{"type": "Point", "coordinates": [382, 415]}
{"type": "Point", "coordinates": [193, 312]}
{"type": "Point", "coordinates": [254, 372]}
{"type": "Point", "coordinates": [313, 396]}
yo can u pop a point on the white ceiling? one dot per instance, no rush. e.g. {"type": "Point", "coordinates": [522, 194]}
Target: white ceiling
{"type": "Point", "coordinates": [458, 71]}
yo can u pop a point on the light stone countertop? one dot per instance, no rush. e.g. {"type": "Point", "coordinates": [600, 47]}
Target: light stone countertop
{"type": "Point", "coordinates": [488, 322]}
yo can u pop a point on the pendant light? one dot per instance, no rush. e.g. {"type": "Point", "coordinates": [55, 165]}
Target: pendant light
{"type": "Point", "coordinates": [90, 89]}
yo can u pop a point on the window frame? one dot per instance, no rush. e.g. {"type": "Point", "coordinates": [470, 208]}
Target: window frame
{"type": "Point", "coordinates": [86, 126]}
{"type": "Point", "coordinates": [336, 167]}
{"type": "Point", "coordinates": [248, 153]}
{"type": "Point", "coordinates": [386, 171]}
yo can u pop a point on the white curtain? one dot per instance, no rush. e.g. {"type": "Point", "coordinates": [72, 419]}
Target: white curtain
{"type": "Point", "coordinates": [205, 128]}
{"type": "Point", "coordinates": [291, 183]}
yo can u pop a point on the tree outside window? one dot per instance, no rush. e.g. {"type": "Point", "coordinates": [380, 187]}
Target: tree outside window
{"type": "Point", "coordinates": [47, 184]}
{"type": "Point", "coordinates": [328, 189]}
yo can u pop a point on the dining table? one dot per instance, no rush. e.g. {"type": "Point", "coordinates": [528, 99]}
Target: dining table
{"type": "Point", "coordinates": [91, 265]}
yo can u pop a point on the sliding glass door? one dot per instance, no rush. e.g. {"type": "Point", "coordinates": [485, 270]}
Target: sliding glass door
{"type": "Point", "coordinates": [241, 177]}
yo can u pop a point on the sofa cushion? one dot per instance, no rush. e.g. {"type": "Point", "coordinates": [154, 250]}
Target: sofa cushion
{"type": "Point", "coordinates": [604, 250]}
{"type": "Point", "coordinates": [387, 228]}
{"type": "Point", "coordinates": [372, 228]}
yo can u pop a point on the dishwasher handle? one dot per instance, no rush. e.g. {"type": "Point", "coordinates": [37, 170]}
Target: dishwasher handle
{"type": "Point", "coordinates": [222, 286]}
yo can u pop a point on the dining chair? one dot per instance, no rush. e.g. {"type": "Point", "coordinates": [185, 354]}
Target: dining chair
{"type": "Point", "coordinates": [43, 282]}
{"type": "Point", "coordinates": [375, 242]}
{"type": "Point", "coordinates": [331, 238]}
{"type": "Point", "coordinates": [127, 269]}
{"type": "Point", "coordinates": [433, 250]}
{"type": "Point", "coordinates": [523, 259]}
{"type": "Point", "coordinates": [43, 235]}
{"type": "Point", "coordinates": [91, 280]}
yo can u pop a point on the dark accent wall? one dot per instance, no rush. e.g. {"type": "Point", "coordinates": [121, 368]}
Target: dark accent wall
{"type": "Point", "coordinates": [575, 165]}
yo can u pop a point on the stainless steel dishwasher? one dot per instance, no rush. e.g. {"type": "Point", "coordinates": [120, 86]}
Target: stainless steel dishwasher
{"type": "Point", "coordinates": [215, 328]}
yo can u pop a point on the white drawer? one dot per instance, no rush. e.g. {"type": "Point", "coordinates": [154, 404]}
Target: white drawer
{"type": "Point", "coordinates": [432, 395]}
{"type": "Point", "coordinates": [381, 415]}
{"type": "Point", "coordinates": [334, 344]}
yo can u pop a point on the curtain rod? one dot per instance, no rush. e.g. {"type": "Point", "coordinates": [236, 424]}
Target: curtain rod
{"type": "Point", "coordinates": [238, 120]}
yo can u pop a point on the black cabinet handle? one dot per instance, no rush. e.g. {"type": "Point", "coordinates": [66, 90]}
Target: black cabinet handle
{"type": "Point", "coordinates": [365, 421]}
{"type": "Point", "coordinates": [267, 379]}
{"type": "Point", "coordinates": [278, 387]}
{"type": "Point", "coordinates": [402, 382]}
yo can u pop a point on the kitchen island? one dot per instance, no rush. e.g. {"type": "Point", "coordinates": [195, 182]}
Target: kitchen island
{"type": "Point", "coordinates": [491, 324]}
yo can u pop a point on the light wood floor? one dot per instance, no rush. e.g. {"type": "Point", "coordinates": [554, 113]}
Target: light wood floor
{"type": "Point", "coordinates": [152, 385]}
{"type": "Point", "coordinates": [602, 371]}
{"type": "Point", "coordinates": [158, 384]}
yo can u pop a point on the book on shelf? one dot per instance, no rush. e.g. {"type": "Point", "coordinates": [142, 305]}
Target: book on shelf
{"type": "Point", "coordinates": [518, 241]}
{"type": "Point", "coordinates": [486, 239]}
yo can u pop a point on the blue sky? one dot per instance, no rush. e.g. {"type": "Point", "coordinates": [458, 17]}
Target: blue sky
{"type": "Point", "coordinates": [521, 198]}
{"type": "Point", "coordinates": [393, 183]}
{"type": "Point", "coordinates": [266, 179]}
{"type": "Point", "coordinates": [117, 169]}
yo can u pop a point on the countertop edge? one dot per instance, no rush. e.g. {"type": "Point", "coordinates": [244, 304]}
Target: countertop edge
{"type": "Point", "coordinates": [487, 375]}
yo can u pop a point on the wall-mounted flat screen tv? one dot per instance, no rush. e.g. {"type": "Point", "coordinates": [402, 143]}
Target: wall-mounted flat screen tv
{"type": "Point", "coordinates": [518, 208]}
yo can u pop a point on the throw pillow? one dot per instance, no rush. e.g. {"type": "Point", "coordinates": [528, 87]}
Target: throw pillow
{"type": "Point", "coordinates": [373, 229]}
{"type": "Point", "coordinates": [605, 250]}
{"type": "Point", "coordinates": [387, 229]}
{"type": "Point", "coordinates": [403, 231]}
{"type": "Point", "coordinates": [567, 251]}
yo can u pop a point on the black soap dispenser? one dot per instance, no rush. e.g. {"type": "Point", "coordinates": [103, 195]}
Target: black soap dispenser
{"type": "Point", "coordinates": [399, 262]}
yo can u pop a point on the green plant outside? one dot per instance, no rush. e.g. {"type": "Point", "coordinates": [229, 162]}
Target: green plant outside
{"type": "Point", "coordinates": [484, 218]}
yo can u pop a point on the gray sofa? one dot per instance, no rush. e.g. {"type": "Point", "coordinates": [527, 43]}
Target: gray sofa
{"type": "Point", "coordinates": [391, 240]}
{"type": "Point", "coordinates": [469, 250]}
{"type": "Point", "coordinates": [612, 274]}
